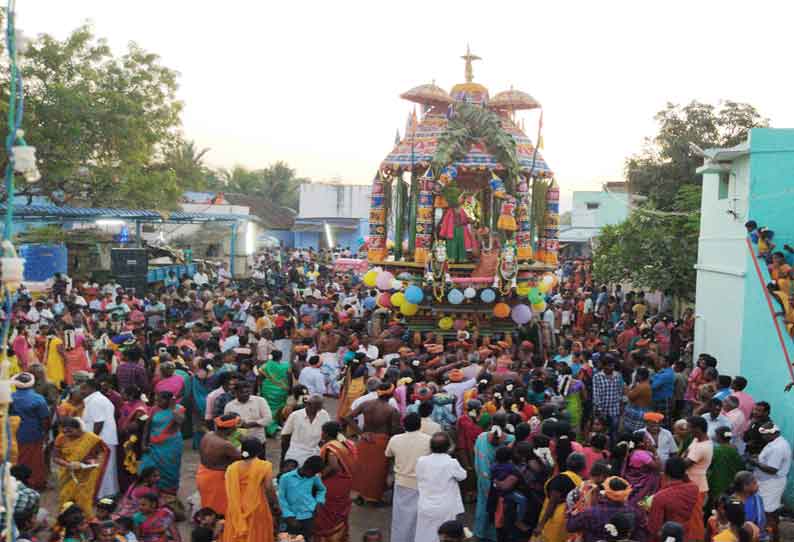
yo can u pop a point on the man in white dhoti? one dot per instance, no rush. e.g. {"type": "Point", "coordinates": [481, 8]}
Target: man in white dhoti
{"type": "Point", "coordinates": [771, 470]}
{"type": "Point", "coordinates": [406, 449]}
{"type": "Point", "coordinates": [99, 418]}
{"type": "Point", "coordinates": [437, 477]}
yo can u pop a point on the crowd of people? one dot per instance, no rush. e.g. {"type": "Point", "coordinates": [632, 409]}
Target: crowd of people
{"type": "Point", "coordinates": [591, 422]}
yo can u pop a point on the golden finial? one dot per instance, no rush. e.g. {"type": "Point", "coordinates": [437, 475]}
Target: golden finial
{"type": "Point", "coordinates": [468, 57]}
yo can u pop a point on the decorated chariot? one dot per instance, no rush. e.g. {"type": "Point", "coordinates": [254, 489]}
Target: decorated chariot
{"type": "Point", "coordinates": [464, 214]}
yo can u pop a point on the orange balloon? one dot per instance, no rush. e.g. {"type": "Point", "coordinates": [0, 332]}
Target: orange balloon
{"type": "Point", "coordinates": [501, 310]}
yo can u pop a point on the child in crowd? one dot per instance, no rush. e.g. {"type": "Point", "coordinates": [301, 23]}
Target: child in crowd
{"type": "Point", "coordinates": [125, 527]}
{"type": "Point", "coordinates": [154, 523]}
{"type": "Point", "coordinates": [104, 510]}
{"type": "Point", "coordinates": [299, 493]}
{"type": "Point", "coordinates": [209, 519]}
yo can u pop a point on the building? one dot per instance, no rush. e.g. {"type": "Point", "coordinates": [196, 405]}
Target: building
{"type": "Point", "coordinates": [332, 213]}
{"type": "Point", "coordinates": [736, 319]}
{"type": "Point", "coordinates": [592, 210]}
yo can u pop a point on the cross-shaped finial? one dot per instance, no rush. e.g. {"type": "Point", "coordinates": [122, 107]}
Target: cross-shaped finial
{"type": "Point", "coordinates": [468, 57]}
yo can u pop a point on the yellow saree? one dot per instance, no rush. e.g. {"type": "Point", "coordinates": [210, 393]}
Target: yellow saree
{"type": "Point", "coordinates": [248, 516]}
{"type": "Point", "coordinates": [80, 486]}
{"type": "Point", "coordinates": [554, 530]}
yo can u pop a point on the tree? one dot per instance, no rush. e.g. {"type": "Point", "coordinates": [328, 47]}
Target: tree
{"type": "Point", "coordinates": [277, 182]}
{"type": "Point", "coordinates": [186, 161]}
{"type": "Point", "coordinates": [653, 249]}
{"type": "Point", "coordinates": [102, 125]}
{"type": "Point", "coordinates": [666, 162]}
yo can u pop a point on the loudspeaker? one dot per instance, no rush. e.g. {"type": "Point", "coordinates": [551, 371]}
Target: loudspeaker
{"type": "Point", "coordinates": [138, 284]}
{"type": "Point", "coordinates": [129, 262]}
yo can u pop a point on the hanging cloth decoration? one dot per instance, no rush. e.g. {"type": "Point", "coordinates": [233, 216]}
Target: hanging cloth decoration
{"type": "Point", "coordinates": [524, 234]}
{"type": "Point", "coordinates": [377, 221]}
{"type": "Point", "coordinates": [552, 229]}
{"type": "Point", "coordinates": [424, 217]}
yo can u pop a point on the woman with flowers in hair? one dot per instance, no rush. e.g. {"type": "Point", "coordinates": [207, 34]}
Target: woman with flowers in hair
{"type": "Point", "coordinates": [252, 497]}
{"type": "Point", "coordinates": [162, 441]}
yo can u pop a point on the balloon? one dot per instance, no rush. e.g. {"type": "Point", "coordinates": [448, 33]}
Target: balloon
{"type": "Point", "coordinates": [549, 280]}
{"type": "Point", "coordinates": [534, 295]}
{"type": "Point", "coordinates": [383, 280]}
{"type": "Point", "coordinates": [384, 300]}
{"type": "Point", "coordinates": [445, 323]}
{"type": "Point", "coordinates": [461, 324]}
{"type": "Point", "coordinates": [397, 299]}
{"type": "Point", "coordinates": [389, 244]}
{"type": "Point", "coordinates": [522, 289]}
{"type": "Point", "coordinates": [414, 294]}
{"type": "Point", "coordinates": [488, 295]}
{"type": "Point", "coordinates": [409, 309]}
{"type": "Point", "coordinates": [501, 310]}
{"type": "Point", "coordinates": [543, 287]}
{"type": "Point", "coordinates": [469, 293]}
{"type": "Point", "coordinates": [396, 284]}
{"type": "Point", "coordinates": [360, 241]}
{"type": "Point", "coordinates": [370, 278]}
{"type": "Point", "coordinates": [539, 307]}
{"type": "Point", "coordinates": [455, 296]}
{"type": "Point", "coordinates": [521, 314]}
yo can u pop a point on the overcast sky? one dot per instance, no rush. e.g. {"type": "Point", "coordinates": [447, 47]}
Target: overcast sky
{"type": "Point", "coordinates": [317, 83]}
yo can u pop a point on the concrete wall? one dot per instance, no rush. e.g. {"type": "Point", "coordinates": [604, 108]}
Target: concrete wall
{"type": "Point", "coordinates": [771, 204]}
{"type": "Point", "coordinates": [721, 269]}
{"type": "Point", "coordinates": [321, 200]}
{"type": "Point", "coordinates": [613, 208]}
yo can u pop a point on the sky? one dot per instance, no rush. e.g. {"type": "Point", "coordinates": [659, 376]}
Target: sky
{"type": "Point", "coordinates": [317, 84]}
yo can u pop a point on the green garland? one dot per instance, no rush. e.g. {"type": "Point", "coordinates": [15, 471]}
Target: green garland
{"type": "Point", "coordinates": [468, 124]}
{"type": "Point", "coordinates": [538, 213]}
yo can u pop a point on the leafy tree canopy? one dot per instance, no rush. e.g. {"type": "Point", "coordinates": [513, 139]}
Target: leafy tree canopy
{"type": "Point", "coordinates": [278, 183]}
{"type": "Point", "coordinates": [666, 163]}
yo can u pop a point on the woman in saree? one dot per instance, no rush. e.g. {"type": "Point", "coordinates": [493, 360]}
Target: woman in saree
{"type": "Point", "coordinates": [745, 489]}
{"type": "Point", "coordinates": [249, 488]}
{"type": "Point", "coordinates": [169, 381]}
{"type": "Point", "coordinates": [162, 442]}
{"type": "Point", "coordinates": [81, 458]}
{"type": "Point", "coordinates": [199, 389]}
{"type": "Point", "coordinates": [132, 419]}
{"type": "Point", "coordinates": [551, 525]}
{"type": "Point", "coordinates": [725, 464]}
{"type": "Point", "coordinates": [484, 454]}
{"type": "Point", "coordinates": [331, 519]}
{"type": "Point", "coordinates": [154, 522]}
{"type": "Point", "coordinates": [573, 390]}
{"type": "Point", "coordinates": [641, 468]}
{"type": "Point", "coordinates": [276, 382]}
{"type": "Point", "coordinates": [354, 382]}
{"type": "Point", "coordinates": [144, 484]}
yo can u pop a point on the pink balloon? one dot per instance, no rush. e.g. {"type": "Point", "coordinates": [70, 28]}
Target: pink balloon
{"type": "Point", "coordinates": [461, 324]}
{"type": "Point", "coordinates": [384, 300]}
{"type": "Point", "coordinates": [383, 280]}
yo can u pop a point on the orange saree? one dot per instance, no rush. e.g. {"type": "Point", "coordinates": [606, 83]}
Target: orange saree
{"type": "Point", "coordinates": [248, 517]}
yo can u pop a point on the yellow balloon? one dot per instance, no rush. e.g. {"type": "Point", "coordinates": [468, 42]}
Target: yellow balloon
{"type": "Point", "coordinates": [539, 307]}
{"type": "Point", "coordinates": [397, 299]}
{"type": "Point", "coordinates": [544, 287]}
{"type": "Point", "coordinates": [370, 277]}
{"type": "Point", "coordinates": [446, 323]}
{"type": "Point", "coordinates": [408, 309]}
{"type": "Point", "coordinates": [522, 289]}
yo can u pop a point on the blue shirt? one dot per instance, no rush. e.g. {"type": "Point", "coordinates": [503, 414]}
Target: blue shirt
{"type": "Point", "coordinates": [299, 496]}
{"type": "Point", "coordinates": [662, 384]}
{"type": "Point", "coordinates": [32, 409]}
{"type": "Point", "coordinates": [722, 394]}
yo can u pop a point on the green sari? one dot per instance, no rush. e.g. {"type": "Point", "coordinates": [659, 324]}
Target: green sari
{"type": "Point", "coordinates": [275, 390]}
{"type": "Point", "coordinates": [725, 463]}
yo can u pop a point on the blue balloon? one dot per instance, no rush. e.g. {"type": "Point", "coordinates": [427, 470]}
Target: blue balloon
{"type": "Point", "coordinates": [455, 296]}
{"type": "Point", "coordinates": [414, 295]}
{"type": "Point", "coordinates": [488, 295]}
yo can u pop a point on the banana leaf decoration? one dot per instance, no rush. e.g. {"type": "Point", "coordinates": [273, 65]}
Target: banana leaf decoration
{"type": "Point", "coordinates": [468, 124]}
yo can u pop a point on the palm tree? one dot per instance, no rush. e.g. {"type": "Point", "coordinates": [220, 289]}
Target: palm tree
{"type": "Point", "coordinates": [281, 186]}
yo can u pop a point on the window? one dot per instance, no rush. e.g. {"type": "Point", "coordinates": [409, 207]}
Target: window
{"type": "Point", "coordinates": [592, 206]}
{"type": "Point", "coordinates": [724, 186]}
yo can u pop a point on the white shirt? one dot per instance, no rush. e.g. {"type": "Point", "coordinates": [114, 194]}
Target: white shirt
{"type": "Point", "coordinates": [314, 379]}
{"type": "Point", "coordinates": [548, 318]}
{"type": "Point", "coordinates": [429, 427]}
{"type": "Point", "coordinates": [304, 435]}
{"type": "Point", "coordinates": [458, 389]}
{"type": "Point", "coordinates": [406, 449]}
{"type": "Point", "coordinates": [371, 351]}
{"type": "Point", "coordinates": [371, 396]}
{"type": "Point", "coordinates": [200, 279]}
{"type": "Point", "coordinates": [776, 454]}
{"type": "Point", "coordinates": [437, 477]}
{"type": "Point", "coordinates": [98, 409]}
{"type": "Point", "coordinates": [256, 410]}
